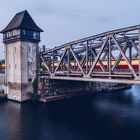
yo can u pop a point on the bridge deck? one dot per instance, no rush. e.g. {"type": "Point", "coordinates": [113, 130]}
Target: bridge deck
{"type": "Point", "coordinates": [122, 81]}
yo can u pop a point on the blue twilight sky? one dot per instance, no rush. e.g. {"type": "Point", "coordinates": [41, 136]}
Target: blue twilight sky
{"type": "Point", "coordinates": [67, 20]}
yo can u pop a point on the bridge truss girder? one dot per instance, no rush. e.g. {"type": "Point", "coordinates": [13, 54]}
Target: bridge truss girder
{"type": "Point", "coordinates": [96, 58]}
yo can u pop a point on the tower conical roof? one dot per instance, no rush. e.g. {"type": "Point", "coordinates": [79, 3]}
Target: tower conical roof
{"type": "Point", "coordinates": [22, 20]}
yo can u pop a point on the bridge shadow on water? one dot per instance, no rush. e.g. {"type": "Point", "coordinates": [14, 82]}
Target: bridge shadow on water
{"type": "Point", "coordinates": [111, 116]}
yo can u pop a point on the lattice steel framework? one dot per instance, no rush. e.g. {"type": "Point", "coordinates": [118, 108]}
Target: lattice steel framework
{"type": "Point", "coordinates": [96, 58]}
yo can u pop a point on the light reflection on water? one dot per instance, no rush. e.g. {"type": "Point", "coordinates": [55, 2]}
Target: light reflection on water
{"type": "Point", "coordinates": [100, 116]}
{"type": "Point", "coordinates": [123, 105]}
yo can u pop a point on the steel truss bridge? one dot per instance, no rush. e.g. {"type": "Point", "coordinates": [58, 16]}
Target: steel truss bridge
{"type": "Point", "coordinates": [96, 58]}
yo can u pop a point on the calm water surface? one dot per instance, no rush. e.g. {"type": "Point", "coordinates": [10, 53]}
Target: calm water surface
{"type": "Point", "coordinates": [104, 116]}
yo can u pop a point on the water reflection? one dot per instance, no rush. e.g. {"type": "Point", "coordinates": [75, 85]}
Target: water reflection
{"type": "Point", "coordinates": [10, 117]}
{"type": "Point", "coordinates": [100, 116]}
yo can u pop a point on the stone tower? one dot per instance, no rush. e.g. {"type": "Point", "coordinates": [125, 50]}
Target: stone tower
{"type": "Point", "coordinates": [21, 38]}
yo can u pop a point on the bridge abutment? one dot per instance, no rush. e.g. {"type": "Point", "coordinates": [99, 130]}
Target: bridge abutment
{"type": "Point", "coordinates": [50, 89]}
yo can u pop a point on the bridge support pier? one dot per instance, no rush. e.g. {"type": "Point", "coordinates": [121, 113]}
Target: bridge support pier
{"type": "Point", "coordinates": [50, 89]}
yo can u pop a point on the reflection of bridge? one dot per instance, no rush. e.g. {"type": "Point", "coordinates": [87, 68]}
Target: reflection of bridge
{"type": "Point", "coordinates": [112, 56]}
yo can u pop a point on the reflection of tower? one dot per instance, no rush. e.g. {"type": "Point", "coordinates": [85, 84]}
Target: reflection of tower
{"type": "Point", "coordinates": [21, 38]}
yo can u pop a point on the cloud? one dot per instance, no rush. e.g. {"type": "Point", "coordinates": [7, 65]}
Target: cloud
{"type": "Point", "coordinates": [60, 10]}
{"type": "Point", "coordinates": [65, 20]}
{"type": "Point", "coordinates": [106, 18]}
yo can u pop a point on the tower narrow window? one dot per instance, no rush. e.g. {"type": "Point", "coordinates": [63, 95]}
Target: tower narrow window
{"type": "Point", "coordinates": [30, 49]}
{"type": "Point", "coordinates": [15, 49]}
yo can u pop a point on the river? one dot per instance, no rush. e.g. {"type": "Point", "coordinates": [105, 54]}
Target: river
{"type": "Point", "coordinates": [102, 116]}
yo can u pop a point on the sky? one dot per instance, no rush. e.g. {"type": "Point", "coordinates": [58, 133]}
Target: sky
{"type": "Point", "coordinates": [69, 20]}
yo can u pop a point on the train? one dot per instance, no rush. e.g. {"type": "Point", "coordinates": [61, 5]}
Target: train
{"type": "Point", "coordinates": [122, 65]}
